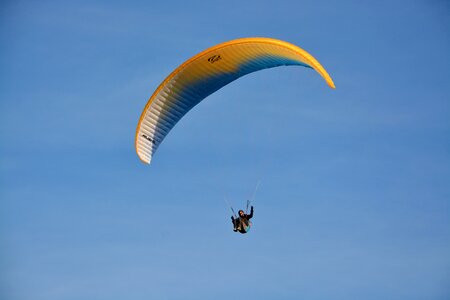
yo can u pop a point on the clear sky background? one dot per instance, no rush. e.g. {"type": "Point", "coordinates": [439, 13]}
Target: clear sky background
{"type": "Point", "coordinates": [354, 201]}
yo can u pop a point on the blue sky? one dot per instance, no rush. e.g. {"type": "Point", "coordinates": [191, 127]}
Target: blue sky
{"type": "Point", "coordinates": [354, 201]}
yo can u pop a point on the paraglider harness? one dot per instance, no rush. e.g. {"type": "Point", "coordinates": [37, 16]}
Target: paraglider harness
{"type": "Point", "coordinates": [242, 223]}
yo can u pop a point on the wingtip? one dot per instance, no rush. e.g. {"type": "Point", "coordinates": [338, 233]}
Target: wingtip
{"type": "Point", "coordinates": [145, 160]}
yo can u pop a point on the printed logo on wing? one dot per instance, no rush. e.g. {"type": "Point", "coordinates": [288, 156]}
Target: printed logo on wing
{"type": "Point", "coordinates": [148, 138]}
{"type": "Point", "coordinates": [214, 58]}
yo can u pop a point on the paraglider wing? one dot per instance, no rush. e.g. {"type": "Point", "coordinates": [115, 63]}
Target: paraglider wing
{"type": "Point", "coordinates": [204, 74]}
